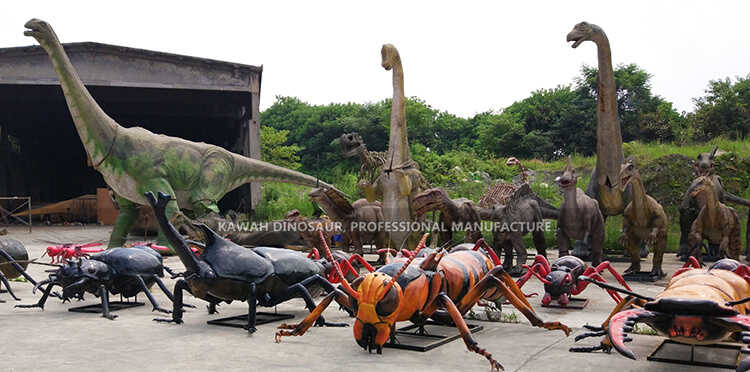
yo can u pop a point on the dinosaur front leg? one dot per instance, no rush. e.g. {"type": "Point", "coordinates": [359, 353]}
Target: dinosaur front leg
{"type": "Point", "coordinates": [521, 255]}
{"type": "Point", "coordinates": [540, 243]}
{"type": "Point", "coordinates": [632, 244]}
{"type": "Point", "coordinates": [660, 245]}
{"type": "Point", "coordinates": [123, 223]}
{"type": "Point", "coordinates": [563, 242]}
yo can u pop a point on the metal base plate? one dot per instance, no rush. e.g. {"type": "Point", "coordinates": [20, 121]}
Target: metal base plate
{"type": "Point", "coordinates": [240, 321]}
{"type": "Point", "coordinates": [409, 338]}
{"type": "Point", "coordinates": [716, 356]}
{"type": "Point", "coordinates": [574, 304]}
{"type": "Point", "coordinates": [113, 306]}
{"type": "Point", "coordinates": [641, 276]}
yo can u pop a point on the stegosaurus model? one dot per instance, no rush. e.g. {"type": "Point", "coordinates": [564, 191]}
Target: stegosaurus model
{"type": "Point", "coordinates": [716, 222]}
{"type": "Point", "coordinates": [643, 220]}
{"type": "Point", "coordinates": [134, 160]}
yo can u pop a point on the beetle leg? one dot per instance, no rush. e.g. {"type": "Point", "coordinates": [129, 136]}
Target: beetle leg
{"type": "Point", "coordinates": [4, 280]}
{"type": "Point", "coordinates": [300, 290]}
{"type": "Point", "coordinates": [105, 303]}
{"type": "Point", "coordinates": [302, 327]}
{"type": "Point", "coordinates": [179, 287]}
{"type": "Point", "coordinates": [151, 297]}
{"type": "Point", "coordinates": [42, 300]}
{"type": "Point", "coordinates": [605, 344]}
{"type": "Point", "coordinates": [251, 302]}
{"type": "Point", "coordinates": [18, 268]}
{"type": "Point", "coordinates": [463, 329]}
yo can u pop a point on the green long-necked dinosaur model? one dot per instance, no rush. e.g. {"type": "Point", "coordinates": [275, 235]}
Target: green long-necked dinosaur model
{"type": "Point", "coordinates": [134, 160]}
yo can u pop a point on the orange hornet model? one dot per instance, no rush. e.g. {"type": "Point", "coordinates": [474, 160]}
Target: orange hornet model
{"type": "Point", "coordinates": [442, 287]}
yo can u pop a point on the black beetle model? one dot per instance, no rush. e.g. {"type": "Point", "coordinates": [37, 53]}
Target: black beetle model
{"type": "Point", "coordinates": [11, 253]}
{"type": "Point", "coordinates": [227, 272]}
{"type": "Point", "coordinates": [125, 271]}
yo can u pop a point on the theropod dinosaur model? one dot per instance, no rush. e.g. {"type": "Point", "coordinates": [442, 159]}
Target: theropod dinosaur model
{"type": "Point", "coordinates": [689, 208]}
{"type": "Point", "coordinates": [371, 162]}
{"type": "Point", "coordinates": [134, 160]}
{"type": "Point", "coordinates": [462, 212]}
{"type": "Point", "coordinates": [400, 179]}
{"type": "Point", "coordinates": [643, 220]}
{"type": "Point", "coordinates": [716, 222]}
{"type": "Point", "coordinates": [308, 227]}
{"type": "Point", "coordinates": [354, 218]}
{"type": "Point", "coordinates": [580, 217]}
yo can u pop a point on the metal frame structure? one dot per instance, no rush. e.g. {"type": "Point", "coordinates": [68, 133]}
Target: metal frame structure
{"type": "Point", "coordinates": [4, 213]}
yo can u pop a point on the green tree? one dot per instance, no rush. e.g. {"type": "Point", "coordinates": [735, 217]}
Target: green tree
{"type": "Point", "coordinates": [724, 110]}
{"type": "Point", "coordinates": [274, 150]}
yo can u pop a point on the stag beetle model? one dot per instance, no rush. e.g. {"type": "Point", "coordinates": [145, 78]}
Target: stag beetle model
{"type": "Point", "coordinates": [439, 288]}
{"type": "Point", "coordinates": [227, 272]}
{"type": "Point", "coordinates": [125, 271]}
{"type": "Point", "coordinates": [561, 278]}
{"type": "Point", "coordinates": [698, 306]}
{"type": "Point", "coordinates": [11, 252]}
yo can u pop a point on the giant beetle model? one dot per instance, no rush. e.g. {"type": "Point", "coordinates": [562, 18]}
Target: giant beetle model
{"type": "Point", "coordinates": [440, 288]}
{"type": "Point", "coordinates": [229, 272]}
{"type": "Point", "coordinates": [698, 306]}
{"type": "Point", "coordinates": [125, 271]}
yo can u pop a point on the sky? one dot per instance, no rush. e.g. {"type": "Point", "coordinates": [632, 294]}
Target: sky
{"type": "Point", "coordinates": [464, 57]}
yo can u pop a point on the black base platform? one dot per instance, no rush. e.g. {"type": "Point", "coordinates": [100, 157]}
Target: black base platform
{"type": "Point", "coordinates": [574, 304]}
{"type": "Point", "coordinates": [113, 306]}
{"type": "Point", "coordinates": [240, 321]}
{"type": "Point", "coordinates": [716, 356]}
{"type": "Point", "coordinates": [409, 338]}
{"type": "Point", "coordinates": [641, 276]}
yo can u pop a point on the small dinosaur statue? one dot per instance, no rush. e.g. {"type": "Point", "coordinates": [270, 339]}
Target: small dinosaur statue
{"type": "Point", "coordinates": [689, 208]}
{"type": "Point", "coordinates": [643, 220]}
{"type": "Point", "coordinates": [360, 221]}
{"type": "Point", "coordinates": [461, 211]}
{"type": "Point", "coordinates": [134, 160]}
{"type": "Point", "coordinates": [371, 162]}
{"type": "Point", "coordinates": [511, 222]}
{"type": "Point", "coordinates": [580, 217]}
{"type": "Point", "coordinates": [500, 193]}
{"type": "Point", "coordinates": [400, 179]}
{"type": "Point", "coordinates": [716, 222]}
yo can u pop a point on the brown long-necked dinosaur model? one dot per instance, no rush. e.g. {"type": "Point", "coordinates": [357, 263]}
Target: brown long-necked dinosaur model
{"type": "Point", "coordinates": [716, 222]}
{"type": "Point", "coordinates": [400, 179]}
{"type": "Point", "coordinates": [604, 181]}
{"type": "Point", "coordinates": [580, 217]}
{"type": "Point", "coordinates": [134, 160]}
{"type": "Point", "coordinates": [643, 220]}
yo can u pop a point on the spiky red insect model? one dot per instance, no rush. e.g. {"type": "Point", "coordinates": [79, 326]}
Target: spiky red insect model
{"type": "Point", "coordinates": [435, 289]}
{"type": "Point", "coordinates": [561, 278]}
{"type": "Point", "coordinates": [64, 252]}
{"type": "Point", "coordinates": [698, 306]}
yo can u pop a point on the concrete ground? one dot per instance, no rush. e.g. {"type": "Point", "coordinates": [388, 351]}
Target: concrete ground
{"type": "Point", "coordinates": [55, 339]}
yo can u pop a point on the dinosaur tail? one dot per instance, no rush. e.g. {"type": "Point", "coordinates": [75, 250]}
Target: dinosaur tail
{"type": "Point", "coordinates": [253, 170]}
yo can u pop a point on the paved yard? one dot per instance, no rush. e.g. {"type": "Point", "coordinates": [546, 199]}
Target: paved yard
{"type": "Point", "coordinates": [56, 339]}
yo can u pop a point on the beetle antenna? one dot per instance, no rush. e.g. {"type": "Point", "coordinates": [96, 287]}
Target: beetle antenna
{"type": "Point", "coordinates": [408, 262]}
{"type": "Point", "coordinates": [618, 289]}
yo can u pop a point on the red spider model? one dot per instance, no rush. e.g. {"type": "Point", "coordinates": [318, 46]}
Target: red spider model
{"type": "Point", "coordinates": [63, 252]}
{"type": "Point", "coordinates": [561, 278]}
